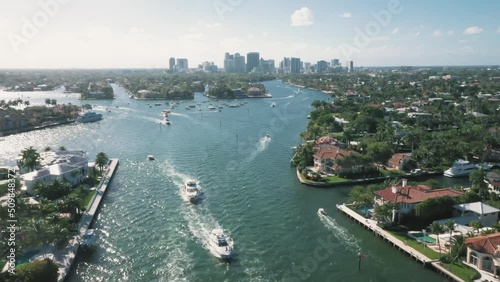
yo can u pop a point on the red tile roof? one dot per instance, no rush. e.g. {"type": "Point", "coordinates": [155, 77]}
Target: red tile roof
{"type": "Point", "coordinates": [397, 159]}
{"type": "Point", "coordinates": [332, 152]}
{"type": "Point", "coordinates": [415, 194]}
{"type": "Point", "coordinates": [487, 244]}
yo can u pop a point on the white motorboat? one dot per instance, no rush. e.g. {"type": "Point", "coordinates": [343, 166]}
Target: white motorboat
{"type": "Point", "coordinates": [88, 238]}
{"type": "Point", "coordinates": [221, 244]}
{"type": "Point", "coordinates": [89, 117]}
{"type": "Point", "coordinates": [191, 189]}
{"type": "Point", "coordinates": [321, 212]}
{"type": "Point", "coordinates": [460, 168]}
{"type": "Point", "coordinates": [151, 157]}
{"type": "Point", "coordinates": [212, 108]}
{"type": "Point", "coordinates": [268, 136]}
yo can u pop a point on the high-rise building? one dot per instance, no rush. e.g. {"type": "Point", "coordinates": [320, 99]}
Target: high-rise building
{"type": "Point", "coordinates": [171, 64]}
{"type": "Point", "coordinates": [228, 63]}
{"type": "Point", "coordinates": [253, 60]}
{"type": "Point", "coordinates": [182, 64]}
{"type": "Point", "coordinates": [335, 63]}
{"type": "Point", "coordinates": [294, 65]}
{"type": "Point", "coordinates": [239, 63]}
{"type": "Point", "coordinates": [321, 66]}
{"type": "Point", "coordinates": [351, 66]}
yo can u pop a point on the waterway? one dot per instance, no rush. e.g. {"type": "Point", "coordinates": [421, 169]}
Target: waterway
{"type": "Point", "coordinates": [148, 232]}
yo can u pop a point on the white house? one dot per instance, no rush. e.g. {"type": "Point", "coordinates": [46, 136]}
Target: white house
{"type": "Point", "coordinates": [484, 252]}
{"type": "Point", "coordinates": [478, 211]}
{"type": "Point", "coordinates": [69, 166]}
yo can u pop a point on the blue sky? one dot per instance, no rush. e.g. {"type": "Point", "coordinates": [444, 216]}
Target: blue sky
{"type": "Point", "coordinates": [134, 33]}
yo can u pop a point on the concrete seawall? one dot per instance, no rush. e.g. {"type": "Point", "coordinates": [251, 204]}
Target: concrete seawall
{"type": "Point", "coordinates": [66, 257]}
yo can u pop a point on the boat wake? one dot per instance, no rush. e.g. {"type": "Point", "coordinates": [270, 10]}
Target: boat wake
{"type": "Point", "coordinates": [342, 234]}
{"type": "Point", "coordinates": [259, 147]}
{"type": "Point", "coordinates": [199, 219]}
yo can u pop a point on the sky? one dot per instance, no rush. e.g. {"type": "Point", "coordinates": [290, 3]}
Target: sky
{"type": "Point", "coordinates": [146, 33]}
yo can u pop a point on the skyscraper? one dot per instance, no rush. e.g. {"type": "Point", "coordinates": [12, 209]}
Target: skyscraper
{"type": "Point", "coordinates": [239, 63]}
{"type": "Point", "coordinates": [322, 66]}
{"type": "Point", "coordinates": [171, 64]}
{"type": "Point", "coordinates": [335, 63]}
{"type": "Point", "coordinates": [351, 66]}
{"type": "Point", "coordinates": [294, 65]}
{"type": "Point", "coordinates": [253, 60]}
{"type": "Point", "coordinates": [182, 64]}
{"type": "Point", "coordinates": [228, 63]}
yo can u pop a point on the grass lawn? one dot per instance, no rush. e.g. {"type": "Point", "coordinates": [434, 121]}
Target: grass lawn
{"type": "Point", "coordinates": [392, 172]}
{"type": "Point", "coordinates": [333, 179]}
{"type": "Point", "coordinates": [88, 198]}
{"type": "Point", "coordinates": [463, 271]}
{"type": "Point", "coordinates": [426, 251]}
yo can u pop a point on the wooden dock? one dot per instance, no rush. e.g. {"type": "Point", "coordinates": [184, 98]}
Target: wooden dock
{"type": "Point", "coordinates": [378, 231]}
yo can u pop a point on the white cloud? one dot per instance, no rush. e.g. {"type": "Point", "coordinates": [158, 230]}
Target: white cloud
{"type": "Point", "coordinates": [265, 34]}
{"type": "Point", "coordinates": [232, 43]}
{"type": "Point", "coordinates": [136, 30]}
{"type": "Point", "coordinates": [302, 17]}
{"type": "Point", "coordinates": [473, 30]}
{"type": "Point", "coordinates": [451, 32]}
{"type": "Point", "coordinates": [437, 33]}
{"type": "Point", "coordinates": [462, 41]}
{"type": "Point", "coordinates": [395, 31]}
{"type": "Point", "coordinates": [346, 15]}
{"type": "Point", "coordinates": [498, 30]}
{"type": "Point", "coordinates": [417, 33]}
{"type": "Point", "coordinates": [214, 25]}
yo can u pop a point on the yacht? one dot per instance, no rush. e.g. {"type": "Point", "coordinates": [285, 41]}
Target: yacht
{"type": "Point", "coordinates": [167, 121]}
{"type": "Point", "coordinates": [460, 168]}
{"type": "Point", "coordinates": [221, 244]}
{"type": "Point", "coordinates": [88, 238]}
{"type": "Point", "coordinates": [191, 189]}
{"type": "Point", "coordinates": [88, 117]}
{"type": "Point", "coordinates": [321, 212]}
{"type": "Point", "coordinates": [151, 157]}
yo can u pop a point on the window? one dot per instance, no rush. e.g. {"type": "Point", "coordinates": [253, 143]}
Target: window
{"type": "Point", "coordinates": [487, 264]}
{"type": "Point", "coordinates": [473, 258]}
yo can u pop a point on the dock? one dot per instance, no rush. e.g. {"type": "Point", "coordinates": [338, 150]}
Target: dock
{"type": "Point", "coordinates": [402, 246]}
{"type": "Point", "coordinates": [65, 258]}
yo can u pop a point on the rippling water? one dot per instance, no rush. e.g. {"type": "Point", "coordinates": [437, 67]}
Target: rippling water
{"type": "Point", "coordinates": [148, 232]}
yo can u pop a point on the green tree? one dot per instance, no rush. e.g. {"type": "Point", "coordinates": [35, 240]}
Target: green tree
{"type": "Point", "coordinates": [379, 152]}
{"type": "Point", "coordinates": [30, 158]}
{"type": "Point", "coordinates": [449, 226]}
{"type": "Point", "coordinates": [40, 270]}
{"type": "Point", "coordinates": [478, 184]}
{"type": "Point", "coordinates": [437, 229]}
{"type": "Point", "coordinates": [361, 196]}
{"type": "Point", "coordinates": [476, 225]}
{"type": "Point", "coordinates": [101, 160]}
{"type": "Point", "coordinates": [384, 212]}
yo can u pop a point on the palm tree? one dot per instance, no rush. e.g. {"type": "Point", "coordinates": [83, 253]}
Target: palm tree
{"type": "Point", "coordinates": [457, 247]}
{"type": "Point", "coordinates": [101, 160]}
{"type": "Point", "coordinates": [450, 227]}
{"type": "Point", "coordinates": [62, 148]}
{"type": "Point", "coordinates": [437, 229]}
{"type": "Point", "coordinates": [30, 159]}
{"type": "Point", "coordinates": [477, 179]}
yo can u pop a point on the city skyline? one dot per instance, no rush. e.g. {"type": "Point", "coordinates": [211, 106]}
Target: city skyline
{"type": "Point", "coordinates": [134, 34]}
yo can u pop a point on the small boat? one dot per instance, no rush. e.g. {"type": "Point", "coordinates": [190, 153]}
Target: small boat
{"type": "Point", "coordinates": [273, 105]}
{"type": "Point", "coordinates": [167, 121]}
{"type": "Point", "coordinates": [321, 212]}
{"type": "Point", "coordinates": [268, 136]}
{"type": "Point", "coordinates": [212, 108]}
{"type": "Point", "coordinates": [191, 189]}
{"type": "Point", "coordinates": [88, 238]}
{"type": "Point", "coordinates": [157, 104]}
{"type": "Point", "coordinates": [188, 108]}
{"type": "Point", "coordinates": [151, 157]}
{"type": "Point", "coordinates": [221, 244]}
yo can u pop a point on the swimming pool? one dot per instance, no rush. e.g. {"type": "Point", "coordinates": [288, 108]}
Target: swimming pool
{"type": "Point", "coordinates": [419, 236]}
{"type": "Point", "coordinates": [366, 210]}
